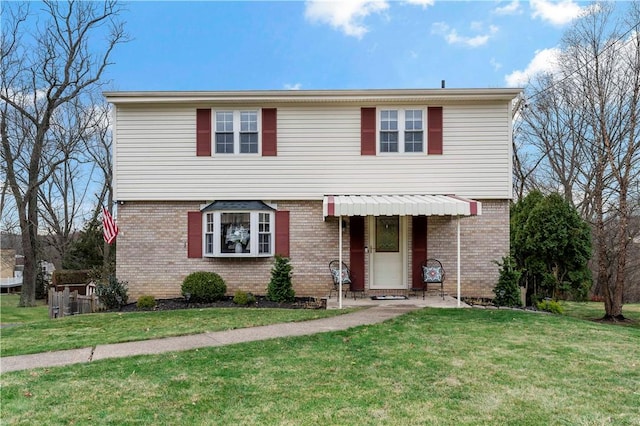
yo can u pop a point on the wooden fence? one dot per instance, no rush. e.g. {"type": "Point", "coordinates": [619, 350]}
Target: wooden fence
{"type": "Point", "coordinates": [66, 302]}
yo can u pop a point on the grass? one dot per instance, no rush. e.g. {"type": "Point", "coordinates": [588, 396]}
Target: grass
{"type": "Point", "coordinates": [432, 366]}
{"type": "Point", "coordinates": [89, 330]}
{"type": "Point", "coordinates": [11, 314]}
{"type": "Point", "coordinates": [595, 310]}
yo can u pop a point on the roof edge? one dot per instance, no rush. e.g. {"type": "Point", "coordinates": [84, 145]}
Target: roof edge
{"type": "Point", "coordinates": [283, 96]}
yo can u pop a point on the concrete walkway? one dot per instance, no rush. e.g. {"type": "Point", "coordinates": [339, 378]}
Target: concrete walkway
{"type": "Point", "coordinates": [376, 312]}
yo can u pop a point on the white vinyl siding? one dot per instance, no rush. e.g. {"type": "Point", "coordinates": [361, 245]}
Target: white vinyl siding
{"type": "Point", "coordinates": [318, 154]}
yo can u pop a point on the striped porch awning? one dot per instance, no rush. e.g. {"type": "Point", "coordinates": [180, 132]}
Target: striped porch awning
{"type": "Point", "coordinates": [400, 205]}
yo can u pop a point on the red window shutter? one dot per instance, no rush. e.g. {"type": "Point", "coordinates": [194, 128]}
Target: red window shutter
{"type": "Point", "coordinates": [367, 131]}
{"type": "Point", "coordinates": [434, 123]}
{"type": "Point", "coordinates": [356, 252]}
{"type": "Point", "coordinates": [194, 234]}
{"type": "Point", "coordinates": [203, 132]}
{"type": "Point", "coordinates": [269, 132]}
{"type": "Point", "coordinates": [419, 249]}
{"type": "Point", "coordinates": [282, 233]}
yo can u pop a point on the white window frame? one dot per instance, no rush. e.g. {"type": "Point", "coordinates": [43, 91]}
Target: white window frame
{"type": "Point", "coordinates": [401, 129]}
{"type": "Point", "coordinates": [254, 221]}
{"type": "Point", "coordinates": [237, 130]}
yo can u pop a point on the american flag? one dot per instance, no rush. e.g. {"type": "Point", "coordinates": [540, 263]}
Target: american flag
{"type": "Point", "coordinates": [109, 225]}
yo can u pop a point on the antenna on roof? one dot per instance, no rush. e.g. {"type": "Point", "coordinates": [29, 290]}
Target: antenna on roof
{"type": "Point", "coordinates": [442, 84]}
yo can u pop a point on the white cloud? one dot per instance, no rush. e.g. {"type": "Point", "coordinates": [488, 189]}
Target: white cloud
{"type": "Point", "coordinates": [544, 61]}
{"type": "Point", "coordinates": [452, 37]}
{"type": "Point", "coordinates": [512, 8]}
{"type": "Point", "coordinates": [495, 64]}
{"type": "Point", "coordinates": [423, 3]}
{"type": "Point", "coordinates": [346, 16]}
{"type": "Point", "coordinates": [557, 13]}
{"type": "Point", "coordinates": [296, 86]}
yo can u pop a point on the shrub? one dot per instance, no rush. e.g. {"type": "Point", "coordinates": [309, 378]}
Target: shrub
{"type": "Point", "coordinates": [203, 287]}
{"type": "Point", "coordinates": [550, 306]}
{"type": "Point", "coordinates": [112, 293]}
{"type": "Point", "coordinates": [507, 290]}
{"type": "Point", "coordinates": [280, 288]}
{"type": "Point", "coordinates": [42, 285]}
{"type": "Point", "coordinates": [243, 298]}
{"type": "Point", "coordinates": [146, 302]}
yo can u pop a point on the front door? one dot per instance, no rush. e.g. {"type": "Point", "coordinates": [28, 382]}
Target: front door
{"type": "Point", "coordinates": [387, 254]}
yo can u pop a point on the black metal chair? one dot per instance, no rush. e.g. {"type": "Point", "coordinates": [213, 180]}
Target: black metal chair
{"type": "Point", "coordinates": [432, 273]}
{"type": "Point", "coordinates": [335, 276]}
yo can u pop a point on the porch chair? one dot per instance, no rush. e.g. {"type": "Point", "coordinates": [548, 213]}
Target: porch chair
{"type": "Point", "coordinates": [432, 273]}
{"type": "Point", "coordinates": [335, 276]}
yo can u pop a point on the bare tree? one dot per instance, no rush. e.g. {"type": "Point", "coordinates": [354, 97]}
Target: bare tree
{"type": "Point", "coordinates": [583, 122]}
{"type": "Point", "coordinates": [98, 145]}
{"type": "Point", "coordinates": [551, 133]}
{"type": "Point", "coordinates": [41, 71]}
{"type": "Point", "coordinates": [64, 197]}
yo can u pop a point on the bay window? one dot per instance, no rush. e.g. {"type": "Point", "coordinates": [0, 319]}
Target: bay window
{"type": "Point", "coordinates": [238, 229]}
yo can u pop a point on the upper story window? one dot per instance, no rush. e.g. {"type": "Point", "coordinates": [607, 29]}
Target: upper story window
{"type": "Point", "coordinates": [401, 130]}
{"type": "Point", "coordinates": [236, 132]}
{"type": "Point", "coordinates": [239, 229]}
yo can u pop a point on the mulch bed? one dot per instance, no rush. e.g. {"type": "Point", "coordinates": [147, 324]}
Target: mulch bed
{"type": "Point", "coordinates": [227, 302]}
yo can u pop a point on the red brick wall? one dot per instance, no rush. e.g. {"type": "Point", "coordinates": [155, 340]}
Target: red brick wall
{"type": "Point", "coordinates": [483, 240]}
{"type": "Point", "coordinates": [152, 250]}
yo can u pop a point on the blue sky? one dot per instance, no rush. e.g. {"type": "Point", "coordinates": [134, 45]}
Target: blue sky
{"type": "Point", "coordinates": [335, 44]}
{"type": "Point", "coordinates": [357, 44]}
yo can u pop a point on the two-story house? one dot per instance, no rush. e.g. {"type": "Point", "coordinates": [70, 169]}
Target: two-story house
{"type": "Point", "coordinates": [223, 181]}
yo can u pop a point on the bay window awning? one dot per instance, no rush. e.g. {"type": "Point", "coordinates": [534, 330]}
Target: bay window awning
{"type": "Point", "coordinates": [236, 206]}
{"type": "Point", "coordinates": [400, 205]}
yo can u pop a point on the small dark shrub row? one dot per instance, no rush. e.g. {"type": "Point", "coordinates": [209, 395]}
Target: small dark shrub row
{"type": "Point", "coordinates": [205, 287]}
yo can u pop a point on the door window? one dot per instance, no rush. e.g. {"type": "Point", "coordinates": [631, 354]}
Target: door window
{"type": "Point", "coordinates": [387, 234]}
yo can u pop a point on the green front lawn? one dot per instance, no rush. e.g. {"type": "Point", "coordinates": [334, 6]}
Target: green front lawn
{"type": "Point", "coordinates": [594, 310]}
{"type": "Point", "coordinates": [432, 366]}
{"type": "Point", "coordinates": [88, 330]}
{"type": "Point", "coordinates": [11, 314]}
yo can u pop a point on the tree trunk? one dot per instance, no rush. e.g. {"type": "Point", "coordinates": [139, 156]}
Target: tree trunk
{"type": "Point", "coordinates": [30, 251]}
{"type": "Point", "coordinates": [616, 287]}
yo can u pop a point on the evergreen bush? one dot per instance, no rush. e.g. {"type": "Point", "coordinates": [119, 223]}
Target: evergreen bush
{"type": "Point", "coordinates": [146, 302]}
{"type": "Point", "coordinates": [507, 290]}
{"type": "Point", "coordinates": [42, 285]}
{"type": "Point", "coordinates": [280, 288]}
{"type": "Point", "coordinates": [113, 293]}
{"type": "Point", "coordinates": [243, 298]}
{"type": "Point", "coordinates": [203, 287]}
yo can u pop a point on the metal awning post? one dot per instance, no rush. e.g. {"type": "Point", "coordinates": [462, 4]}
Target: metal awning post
{"type": "Point", "coordinates": [458, 255]}
{"type": "Point", "coordinates": [340, 262]}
